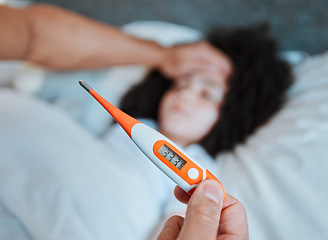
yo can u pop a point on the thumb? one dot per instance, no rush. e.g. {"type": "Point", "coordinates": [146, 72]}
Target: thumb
{"type": "Point", "coordinates": [203, 212]}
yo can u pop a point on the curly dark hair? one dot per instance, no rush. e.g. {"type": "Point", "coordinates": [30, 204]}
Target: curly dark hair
{"type": "Point", "coordinates": [256, 89]}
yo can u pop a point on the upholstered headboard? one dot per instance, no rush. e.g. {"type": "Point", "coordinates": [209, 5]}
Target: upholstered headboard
{"type": "Point", "coordinates": [297, 24]}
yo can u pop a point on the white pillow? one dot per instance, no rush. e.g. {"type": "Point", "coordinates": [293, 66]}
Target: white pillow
{"type": "Point", "coordinates": [280, 173]}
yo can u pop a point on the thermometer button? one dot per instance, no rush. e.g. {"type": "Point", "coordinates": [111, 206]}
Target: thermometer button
{"type": "Point", "coordinates": [193, 173]}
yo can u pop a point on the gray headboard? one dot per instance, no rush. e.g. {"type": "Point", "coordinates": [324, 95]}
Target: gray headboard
{"type": "Point", "coordinates": [297, 24]}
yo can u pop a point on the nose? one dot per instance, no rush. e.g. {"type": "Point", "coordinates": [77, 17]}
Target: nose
{"type": "Point", "coordinates": [185, 96]}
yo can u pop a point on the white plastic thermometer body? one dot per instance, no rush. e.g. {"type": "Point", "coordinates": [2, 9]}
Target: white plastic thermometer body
{"type": "Point", "coordinates": [169, 157]}
{"type": "Point", "coordinates": [185, 171]}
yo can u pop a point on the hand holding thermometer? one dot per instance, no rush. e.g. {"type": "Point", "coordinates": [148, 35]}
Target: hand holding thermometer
{"type": "Point", "coordinates": [165, 154]}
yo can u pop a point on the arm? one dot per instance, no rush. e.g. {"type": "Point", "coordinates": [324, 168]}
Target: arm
{"type": "Point", "coordinates": [60, 39]}
{"type": "Point", "coordinates": [63, 40]}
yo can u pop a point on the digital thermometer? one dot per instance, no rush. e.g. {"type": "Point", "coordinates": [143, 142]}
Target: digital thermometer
{"type": "Point", "coordinates": [165, 154]}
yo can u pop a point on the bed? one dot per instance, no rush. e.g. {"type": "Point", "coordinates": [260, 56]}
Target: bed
{"type": "Point", "coordinates": [279, 173]}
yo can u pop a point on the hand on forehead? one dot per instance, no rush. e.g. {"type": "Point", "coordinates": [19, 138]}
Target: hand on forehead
{"type": "Point", "coordinates": [189, 58]}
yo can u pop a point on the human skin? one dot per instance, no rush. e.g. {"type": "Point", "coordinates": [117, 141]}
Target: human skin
{"type": "Point", "coordinates": [62, 40]}
{"type": "Point", "coordinates": [208, 216]}
{"type": "Point", "coordinates": [190, 109]}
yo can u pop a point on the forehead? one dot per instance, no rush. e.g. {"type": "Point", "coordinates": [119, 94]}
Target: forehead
{"type": "Point", "coordinates": [207, 79]}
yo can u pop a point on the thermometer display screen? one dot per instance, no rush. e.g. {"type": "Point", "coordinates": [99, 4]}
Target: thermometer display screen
{"type": "Point", "coordinates": [171, 156]}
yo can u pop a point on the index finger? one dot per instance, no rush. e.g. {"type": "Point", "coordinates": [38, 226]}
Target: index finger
{"type": "Point", "coordinates": [181, 195]}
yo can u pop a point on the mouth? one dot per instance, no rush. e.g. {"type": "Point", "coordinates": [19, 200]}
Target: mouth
{"type": "Point", "coordinates": [180, 110]}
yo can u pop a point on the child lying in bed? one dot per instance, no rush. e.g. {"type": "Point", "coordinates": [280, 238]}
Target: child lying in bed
{"type": "Point", "coordinates": [207, 113]}
{"type": "Point", "coordinates": [241, 99]}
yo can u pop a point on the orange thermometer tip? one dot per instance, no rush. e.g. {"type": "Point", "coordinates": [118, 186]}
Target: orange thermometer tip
{"type": "Point", "coordinates": [126, 121]}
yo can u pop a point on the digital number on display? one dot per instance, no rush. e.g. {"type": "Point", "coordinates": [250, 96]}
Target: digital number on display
{"type": "Point", "coordinates": [171, 156]}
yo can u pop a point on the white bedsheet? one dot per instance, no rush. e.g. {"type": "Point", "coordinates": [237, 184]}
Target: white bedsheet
{"type": "Point", "coordinates": [59, 182]}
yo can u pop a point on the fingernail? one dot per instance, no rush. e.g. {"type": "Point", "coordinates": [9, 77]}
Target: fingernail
{"type": "Point", "coordinates": [213, 191]}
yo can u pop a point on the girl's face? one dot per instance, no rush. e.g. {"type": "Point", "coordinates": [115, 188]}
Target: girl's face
{"type": "Point", "coordinates": [190, 109]}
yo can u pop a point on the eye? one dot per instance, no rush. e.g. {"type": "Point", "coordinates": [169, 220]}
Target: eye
{"type": "Point", "coordinates": [213, 95]}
